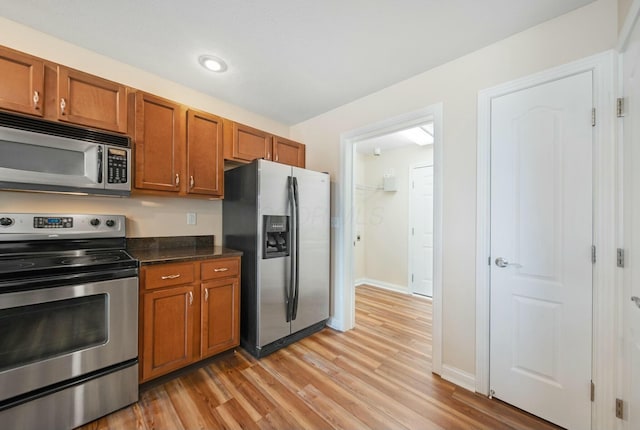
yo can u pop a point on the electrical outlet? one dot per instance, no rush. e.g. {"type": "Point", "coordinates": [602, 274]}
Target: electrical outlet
{"type": "Point", "coordinates": [192, 218]}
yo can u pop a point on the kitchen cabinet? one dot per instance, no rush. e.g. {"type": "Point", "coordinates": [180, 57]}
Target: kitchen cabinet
{"type": "Point", "coordinates": [22, 83]}
{"type": "Point", "coordinates": [159, 141]}
{"type": "Point", "coordinates": [88, 100]}
{"type": "Point", "coordinates": [177, 151]}
{"type": "Point", "coordinates": [188, 311]}
{"type": "Point", "coordinates": [35, 86]}
{"type": "Point", "coordinates": [244, 144]}
{"type": "Point", "coordinates": [168, 330]}
{"type": "Point", "coordinates": [205, 160]}
{"type": "Point", "coordinates": [287, 151]}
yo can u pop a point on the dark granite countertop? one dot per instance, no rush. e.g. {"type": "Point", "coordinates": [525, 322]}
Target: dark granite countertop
{"type": "Point", "coordinates": [156, 250]}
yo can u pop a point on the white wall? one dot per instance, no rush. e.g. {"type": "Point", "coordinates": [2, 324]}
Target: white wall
{"type": "Point", "coordinates": [383, 220]}
{"type": "Point", "coordinates": [149, 216]}
{"type": "Point", "coordinates": [586, 31]}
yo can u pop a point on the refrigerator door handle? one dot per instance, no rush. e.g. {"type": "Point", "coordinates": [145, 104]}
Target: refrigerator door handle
{"type": "Point", "coordinates": [296, 199]}
{"type": "Point", "coordinates": [292, 274]}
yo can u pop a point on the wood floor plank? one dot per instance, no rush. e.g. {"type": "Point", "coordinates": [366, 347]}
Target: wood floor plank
{"type": "Point", "coordinates": [377, 376]}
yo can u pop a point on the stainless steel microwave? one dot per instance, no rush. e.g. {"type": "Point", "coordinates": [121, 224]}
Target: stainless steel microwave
{"type": "Point", "coordinates": [39, 155]}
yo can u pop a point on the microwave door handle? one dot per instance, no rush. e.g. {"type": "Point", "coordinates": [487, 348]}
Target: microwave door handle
{"type": "Point", "coordinates": [100, 162]}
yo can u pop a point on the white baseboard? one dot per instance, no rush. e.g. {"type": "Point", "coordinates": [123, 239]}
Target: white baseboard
{"type": "Point", "coordinates": [459, 377]}
{"type": "Point", "coordinates": [383, 285]}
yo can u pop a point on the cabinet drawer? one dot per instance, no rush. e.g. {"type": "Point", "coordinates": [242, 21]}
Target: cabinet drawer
{"type": "Point", "coordinates": [165, 275]}
{"type": "Point", "coordinates": [220, 268]}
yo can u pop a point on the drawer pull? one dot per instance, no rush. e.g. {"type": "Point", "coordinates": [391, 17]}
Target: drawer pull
{"type": "Point", "coordinates": [190, 297]}
{"type": "Point", "coordinates": [36, 99]}
{"type": "Point", "coordinates": [170, 277]}
{"type": "Point", "coordinates": [206, 295]}
{"type": "Point", "coordinates": [221, 269]}
{"type": "Point", "coordinates": [63, 105]}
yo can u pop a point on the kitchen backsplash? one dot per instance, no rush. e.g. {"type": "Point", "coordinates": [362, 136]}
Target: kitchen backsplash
{"type": "Point", "coordinates": [146, 216]}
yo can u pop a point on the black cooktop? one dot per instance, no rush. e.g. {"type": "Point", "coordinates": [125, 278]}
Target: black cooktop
{"type": "Point", "coordinates": [84, 260]}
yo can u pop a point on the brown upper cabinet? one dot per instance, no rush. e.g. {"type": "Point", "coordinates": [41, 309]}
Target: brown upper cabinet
{"type": "Point", "coordinates": [21, 82]}
{"type": "Point", "coordinates": [205, 162]}
{"type": "Point", "coordinates": [244, 144]}
{"type": "Point", "coordinates": [35, 86]}
{"type": "Point", "coordinates": [177, 150]}
{"type": "Point", "coordinates": [92, 101]}
{"type": "Point", "coordinates": [287, 151]}
{"type": "Point", "coordinates": [159, 141]}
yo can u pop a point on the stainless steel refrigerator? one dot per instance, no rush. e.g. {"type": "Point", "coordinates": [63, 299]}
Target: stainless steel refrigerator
{"type": "Point", "coordinates": [278, 216]}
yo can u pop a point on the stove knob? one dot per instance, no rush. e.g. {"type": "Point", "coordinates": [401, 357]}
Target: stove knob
{"type": "Point", "coordinates": [110, 223]}
{"type": "Point", "coordinates": [6, 222]}
{"type": "Point", "coordinates": [95, 222]}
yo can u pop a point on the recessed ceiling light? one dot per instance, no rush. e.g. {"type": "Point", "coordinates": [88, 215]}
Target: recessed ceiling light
{"type": "Point", "coordinates": [213, 64]}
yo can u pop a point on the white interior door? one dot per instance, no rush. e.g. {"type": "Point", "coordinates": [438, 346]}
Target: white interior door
{"type": "Point", "coordinates": [421, 234]}
{"type": "Point", "coordinates": [541, 237]}
{"type": "Point", "coordinates": [631, 310]}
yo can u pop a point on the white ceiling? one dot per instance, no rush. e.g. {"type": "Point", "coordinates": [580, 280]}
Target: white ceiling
{"type": "Point", "coordinates": [289, 60]}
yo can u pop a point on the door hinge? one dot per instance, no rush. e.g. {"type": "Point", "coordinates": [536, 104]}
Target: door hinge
{"type": "Point", "coordinates": [593, 117]}
{"type": "Point", "coordinates": [620, 257]}
{"type": "Point", "coordinates": [619, 408]}
{"type": "Point", "coordinates": [593, 391]}
{"type": "Point", "coordinates": [593, 253]}
{"type": "Point", "coordinates": [620, 107]}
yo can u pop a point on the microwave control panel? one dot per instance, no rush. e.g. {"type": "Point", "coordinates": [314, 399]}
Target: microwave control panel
{"type": "Point", "coordinates": [117, 166]}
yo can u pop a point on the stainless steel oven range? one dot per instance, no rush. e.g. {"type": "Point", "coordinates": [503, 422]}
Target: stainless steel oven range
{"type": "Point", "coordinates": [68, 319]}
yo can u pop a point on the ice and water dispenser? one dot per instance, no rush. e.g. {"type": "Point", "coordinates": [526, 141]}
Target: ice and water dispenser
{"type": "Point", "coordinates": [276, 236]}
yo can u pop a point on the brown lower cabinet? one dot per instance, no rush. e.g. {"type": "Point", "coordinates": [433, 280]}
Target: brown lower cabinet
{"type": "Point", "coordinates": [188, 311]}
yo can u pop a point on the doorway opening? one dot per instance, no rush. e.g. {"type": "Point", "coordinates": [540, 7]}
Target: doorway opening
{"type": "Point", "coordinates": [356, 191]}
{"type": "Point", "coordinates": [393, 207]}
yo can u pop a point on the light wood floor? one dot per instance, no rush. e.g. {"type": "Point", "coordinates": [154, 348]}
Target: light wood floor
{"type": "Point", "coordinates": [376, 376]}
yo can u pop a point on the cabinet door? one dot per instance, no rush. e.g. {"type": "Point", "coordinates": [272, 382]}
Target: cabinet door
{"type": "Point", "coordinates": [204, 154]}
{"type": "Point", "coordinates": [159, 143]}
{"type": "Point", "coordinates": [168, 330]}
{"type": "Point", "coordinates": [21, 82]}
{"type": "Point", "coordinates": [250, 143]}
{"type": "Point", "coordinates": [287, 151]}
{"type": "Point", "coordinates": [220, 312]}
{"type": "Point", "coordinates": [92, 101]}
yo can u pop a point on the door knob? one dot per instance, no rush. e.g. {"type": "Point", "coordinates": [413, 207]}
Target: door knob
{"type": "Point", "coordinates": [636, 300]}
{"type": "Point", "coordinates": [501, 262]}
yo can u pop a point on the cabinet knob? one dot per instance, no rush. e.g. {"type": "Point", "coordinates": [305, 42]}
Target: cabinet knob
{"type": "Point", "coordinates": [177, 179]}
{"type": "Point", "coordinates": [36, 99]}
{"type": "Point", "coordinates": [192, 182]}
{"type": "Point", "coordinates": [63, 105]}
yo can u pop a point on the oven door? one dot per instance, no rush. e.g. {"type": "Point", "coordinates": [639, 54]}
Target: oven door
{"type": "Point", "coordinates": [50, 335]}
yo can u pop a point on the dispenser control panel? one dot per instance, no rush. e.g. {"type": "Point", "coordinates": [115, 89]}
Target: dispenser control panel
{"type": "Point", "coordinates": [276, 238]}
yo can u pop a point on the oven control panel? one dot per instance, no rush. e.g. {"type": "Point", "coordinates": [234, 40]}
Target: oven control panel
{"type": "Point", "coordinates": [14, 226]}
{"type": "Point", "coordinates": [50, 222]}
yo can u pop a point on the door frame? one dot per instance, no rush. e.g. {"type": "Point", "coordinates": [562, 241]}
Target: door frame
{"type": "Point", "coordinates": [411, 205]}
{"type": "Point", "coordinates": [624, 237]}
{"type": "Point", "coordinates": [605, 281]}
{"type": "Point", "coordinates": [344, 288]}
